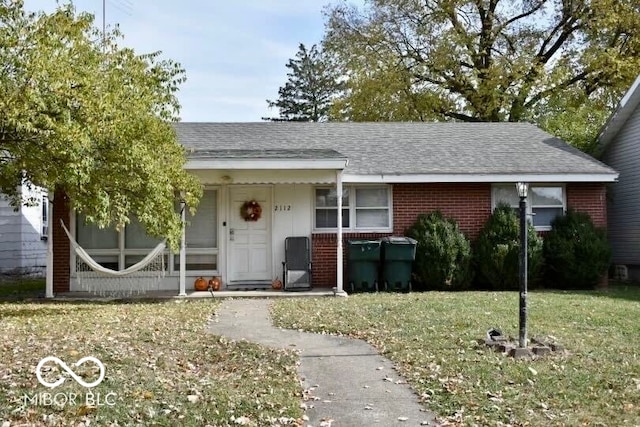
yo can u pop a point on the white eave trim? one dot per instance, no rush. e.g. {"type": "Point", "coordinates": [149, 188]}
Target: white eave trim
{"type": "Point", "coordinates": [467, 178]}
{"type": "Point", "coordinates": [618, 119]}
{"type": "Point", "coordinates": [266, 164]}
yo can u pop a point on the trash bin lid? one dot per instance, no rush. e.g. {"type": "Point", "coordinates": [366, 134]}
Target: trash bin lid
{"type": "Point", "coordinates": [363, 242]}
{"type": "Point", "coordinates": [399, 240]}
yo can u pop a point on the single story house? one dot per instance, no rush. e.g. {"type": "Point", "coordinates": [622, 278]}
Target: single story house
{"type": "Point", "coordinates": [386, 174]}
{"type": "Point", "coordinates": [23, 234]}
{"type": "Point", "coordinates": [620, 142]}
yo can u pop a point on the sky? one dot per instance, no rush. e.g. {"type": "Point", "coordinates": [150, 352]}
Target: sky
{"type": "Point", "coordinates": [234, 51]}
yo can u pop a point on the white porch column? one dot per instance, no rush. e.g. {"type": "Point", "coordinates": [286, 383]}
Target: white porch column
{"type": "Point", "coordinates": [48, 293]}
{"type": "Point", "coordinates": [339, 258]}
{"type": "Point", "coordinates": [183, 251]}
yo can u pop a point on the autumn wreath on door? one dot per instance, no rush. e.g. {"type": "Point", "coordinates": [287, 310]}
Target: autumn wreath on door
{"type": "Point", "coordinates": [251, 211]}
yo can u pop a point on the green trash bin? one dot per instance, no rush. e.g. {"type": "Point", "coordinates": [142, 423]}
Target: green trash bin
{"type": "Point", "coordinates": [398, 254]}
{"type": "Point", "coordinates": [363, 261]}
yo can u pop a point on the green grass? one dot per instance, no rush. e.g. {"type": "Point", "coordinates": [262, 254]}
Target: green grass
{"type": "Point", "coordinates": [17, 288]}
{"type": "Point", "coordinates": [433, 339]}
{"type": "Point", "coordinates": [162, 365]}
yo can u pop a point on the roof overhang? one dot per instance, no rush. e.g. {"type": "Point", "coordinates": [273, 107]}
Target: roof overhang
{"type": "Point", "coordinates": [625, 109]}
{"type": "Point", "coordinates": [469, 178]}
{"type": "Point", "coordinates": [262, 164]}
{"type": "Point", "coordinates": [258, 159]}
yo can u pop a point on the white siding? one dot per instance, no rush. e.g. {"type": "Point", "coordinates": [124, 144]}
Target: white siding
{"type": "Point", "coordinates": [623, 154]}
{"type": "Point", "coordinates": [21, 248]}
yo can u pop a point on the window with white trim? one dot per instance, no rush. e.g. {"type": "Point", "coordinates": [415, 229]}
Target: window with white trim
{"type": "Point", "coordinates": [544, 202]}
{"type": "Point", "coordinates": [366, 208]}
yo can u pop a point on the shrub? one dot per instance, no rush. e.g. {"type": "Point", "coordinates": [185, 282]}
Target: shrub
{"type": "Point", "coordinates": [576, 251]}
{"type": "Point", "coordinates": [497, 251]}
{"type": "Point", "coordinates": [443, 253]}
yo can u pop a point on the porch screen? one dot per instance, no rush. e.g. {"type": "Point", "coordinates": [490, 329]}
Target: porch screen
{"type": "Point", "coordinates": [202, 235]}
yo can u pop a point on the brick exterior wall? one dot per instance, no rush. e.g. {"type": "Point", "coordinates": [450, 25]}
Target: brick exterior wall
{"type": "Point", "coordinates": [61, 245]}
{"type": "Point", "coordinates": [589, 198]}
{"type": "Point", "coordinates": [468, 204]}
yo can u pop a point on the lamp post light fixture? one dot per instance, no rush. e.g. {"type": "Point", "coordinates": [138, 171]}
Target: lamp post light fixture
{"type": "Point", "coordinates": [523, 188]}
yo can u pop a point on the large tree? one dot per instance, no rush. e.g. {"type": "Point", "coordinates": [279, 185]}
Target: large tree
{"type": "Point", "coordinates": [311, 85]}
{"type": "Point", "coordinates": [91, 120]}
{"type": "Point", "coordinates": [487, 60]}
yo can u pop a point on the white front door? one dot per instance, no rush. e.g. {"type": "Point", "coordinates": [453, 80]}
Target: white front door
{"type": "Point", "coordinates": [249, 241]}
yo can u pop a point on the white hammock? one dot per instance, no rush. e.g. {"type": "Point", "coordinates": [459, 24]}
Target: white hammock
{"type": "Point", "coordinates": [139, 278]}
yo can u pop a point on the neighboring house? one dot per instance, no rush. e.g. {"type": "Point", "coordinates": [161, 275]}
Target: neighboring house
{"type": "Point", "coordinates": [23, 234]}
{"type": "Point", "coordinates": [620, 142]}
{"type": "Point", "coordinates": [389, 173]}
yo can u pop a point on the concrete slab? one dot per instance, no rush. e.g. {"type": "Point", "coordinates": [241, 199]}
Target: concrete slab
{"type": "Point", "coordinates": [352, 383]}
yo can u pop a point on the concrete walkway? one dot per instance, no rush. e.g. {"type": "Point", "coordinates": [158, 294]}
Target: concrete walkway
{"type": "Point", "coordinates": [351, 383]}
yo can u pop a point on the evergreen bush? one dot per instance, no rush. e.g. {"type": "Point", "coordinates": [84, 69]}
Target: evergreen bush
{"type": "Point", "coordinates": [576, 251]}
{"type": "Point", "coordinates": [443, 253]}
{"type": "Point", "coordinates": [497, 252]}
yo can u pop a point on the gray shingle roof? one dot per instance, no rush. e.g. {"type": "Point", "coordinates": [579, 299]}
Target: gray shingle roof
{"type": "Point", "coordinates": [404, 148]}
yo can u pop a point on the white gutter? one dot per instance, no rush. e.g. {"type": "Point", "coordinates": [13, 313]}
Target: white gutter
{"type": "Point", "coordinates": [476, 178]}
{"type": "Point", "coordinates": [231, 164]}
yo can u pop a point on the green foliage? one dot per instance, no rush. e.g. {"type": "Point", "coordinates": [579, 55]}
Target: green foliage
{"type": "Point", "coordinates": [577, 253]}
{"type": "Point", "coordinates": [311, 86]}
{"type": "Point", "coordinates": [499, 60]}
{"type": "Point", "coordinates": [497, 251]}
{"type": "Point", "coordinates": [443, 253]}
{"type": "Point", "coordinates": [81, 115]}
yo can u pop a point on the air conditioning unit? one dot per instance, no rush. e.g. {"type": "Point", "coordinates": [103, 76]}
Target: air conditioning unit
{"type": "Point", "coordinates": [620, 272]}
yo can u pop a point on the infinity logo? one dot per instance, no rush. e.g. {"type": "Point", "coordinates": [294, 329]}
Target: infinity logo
{"type": "Point", "coordinates": [69, 371]}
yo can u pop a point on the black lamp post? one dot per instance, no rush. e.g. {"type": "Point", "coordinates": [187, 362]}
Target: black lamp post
{"type": "Point", "coordinates": [522, 188]}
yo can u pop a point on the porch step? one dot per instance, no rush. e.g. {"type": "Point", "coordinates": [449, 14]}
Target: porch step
{"type": "Point", "coordinates": [248, 286]}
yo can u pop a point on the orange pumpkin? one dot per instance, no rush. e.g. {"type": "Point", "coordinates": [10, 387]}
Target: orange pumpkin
{"type": "Point", "coordinates": [276, 284]}
{"type": "Point", "coordinates": [200, 284]}
{"type": "Point", "coordinates": [215, 283]}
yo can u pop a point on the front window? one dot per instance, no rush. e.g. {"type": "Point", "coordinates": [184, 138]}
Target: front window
{"type": "Point", "coordinates": [544, 202]}
{"type": "Point", "coordinates": [363, 208]}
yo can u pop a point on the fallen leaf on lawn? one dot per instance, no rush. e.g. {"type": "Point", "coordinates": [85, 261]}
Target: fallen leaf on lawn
{"type": "Point", "coordinates": [243, 421]}
{"type": "Point", "coordinates": [85, 410]}
{"type": "Point", "coordinates": [533, 371]}
{"type": "Point", "coordinates": [193, 398]}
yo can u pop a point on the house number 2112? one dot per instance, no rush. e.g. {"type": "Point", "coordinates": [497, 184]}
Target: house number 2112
{"type": "Point", "coordinates": [283, 208]}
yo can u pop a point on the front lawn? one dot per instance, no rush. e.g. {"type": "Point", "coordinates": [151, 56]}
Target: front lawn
{"type": "Point", "coordinates": [162, 368]}
{"type": "Point", "coordinates": [15, 288]}
{"type": "Point", "coordinates": [433, 339]}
